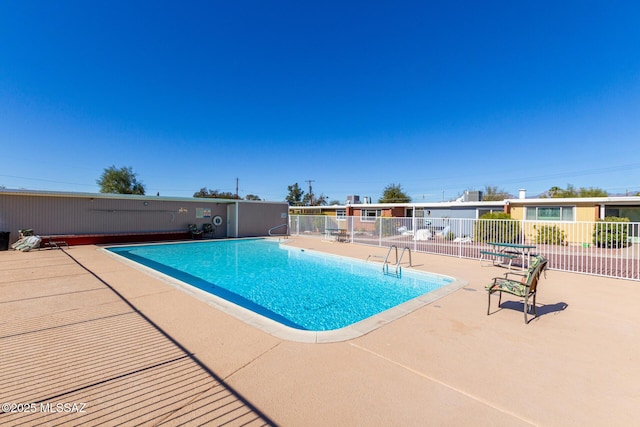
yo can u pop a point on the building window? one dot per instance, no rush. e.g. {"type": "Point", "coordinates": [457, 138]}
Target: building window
{"type": "Point", "coordinates": [341, 214]}
{"type": "Point", "coordinates": [631, 212]}
{"type": "Point", "coordinates": [550, 213]}
{"type": "Point", "coordinates": [370, 214]}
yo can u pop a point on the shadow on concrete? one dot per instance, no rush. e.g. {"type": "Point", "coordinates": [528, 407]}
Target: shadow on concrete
{"type": "Point", "coordinates": [541, 309]}
{"type": "Point", "coordinates": [108, 364]}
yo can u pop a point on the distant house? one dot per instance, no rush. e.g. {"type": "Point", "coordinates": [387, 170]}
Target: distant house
{"type": "Point", "coordinates": [434, 215]}
{"type": "Point", "coordinates": [372, 211]}
{"type": "Point", "coordinates": [534, 209]}
{"type": "Point", "coordinates": [573, 217]}
{"type": "Point", "coordinates": [574, 209]}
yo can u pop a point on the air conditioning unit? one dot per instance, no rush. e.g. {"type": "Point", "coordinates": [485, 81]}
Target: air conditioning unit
{"type": "Point", "coordinates": [473, 196]}
{"type": "Point", "coordinates": [353, 200]}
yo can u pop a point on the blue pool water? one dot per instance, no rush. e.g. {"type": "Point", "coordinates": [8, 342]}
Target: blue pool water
{"type": "Point", "coordinates": [300, 289]}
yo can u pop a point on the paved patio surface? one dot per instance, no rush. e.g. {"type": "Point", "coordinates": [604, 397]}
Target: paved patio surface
{"type": "Point", "coordinates": [88, 340]}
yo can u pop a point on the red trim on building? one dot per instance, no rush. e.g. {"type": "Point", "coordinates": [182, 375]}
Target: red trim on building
{"type": "Point", "coordinates": [100, 239]}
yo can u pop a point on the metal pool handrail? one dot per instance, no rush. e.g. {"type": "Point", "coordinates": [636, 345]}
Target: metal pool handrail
{"type": "Point", "coordinates": [276, 227]}
{"type": "Point", "coordinates": [398, 271]}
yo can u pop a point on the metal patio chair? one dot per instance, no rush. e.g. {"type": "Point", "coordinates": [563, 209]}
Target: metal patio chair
{"type": "Point", "coordinates": [525, 287]}
{"type": "Point", "coordinates": [207, 229]}
{"type": "Point", "coordinates": [193, 229]}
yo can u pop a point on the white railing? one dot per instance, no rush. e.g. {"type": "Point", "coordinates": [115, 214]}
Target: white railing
{"type": "Point", "coordinates": [610, 249]}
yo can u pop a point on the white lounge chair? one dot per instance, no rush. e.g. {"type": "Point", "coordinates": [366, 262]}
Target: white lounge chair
{"type": "Point", "coordinates": [27, 243]}
{"type": "Point", "coordinates": [423, 234]}
{"type": "Point", "coordinates": [405, 231]}
{"type": "Point", "coordinates": [444, 232]}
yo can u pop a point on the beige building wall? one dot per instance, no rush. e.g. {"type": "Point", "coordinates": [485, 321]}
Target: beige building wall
{"type": "Point", "coordinates": [516, 212]}
{"type": "Point", "coordinates": [587, 213]}
{"type": "Point", "coordinates": [578, 232]}
{"type": "Point", "coordinates": [257, 218]}
{"type": "Point", "coordinates": [84, 213]}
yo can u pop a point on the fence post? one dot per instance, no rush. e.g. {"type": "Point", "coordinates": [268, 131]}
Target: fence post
{"type": "Point", "coordinates": [350, 227]}
{"type": "Point", "coordinates": [413, 227]}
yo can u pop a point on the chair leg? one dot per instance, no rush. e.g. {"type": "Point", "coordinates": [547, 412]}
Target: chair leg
{"type": "Point", "coordinates": [535, 312]}
{"type": "Point", "coordinates": [526, 308]}
{"type": "Point", "coordinates": [489, 303]}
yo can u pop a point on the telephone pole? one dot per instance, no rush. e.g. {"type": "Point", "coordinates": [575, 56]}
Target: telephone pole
{"type": "Point", "coordinates": [310, 191]}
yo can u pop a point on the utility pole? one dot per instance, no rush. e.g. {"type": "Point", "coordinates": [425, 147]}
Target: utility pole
{"type": "Point", "coordinates": [236, 187]}
{"type": "Point", "coordinates": [310, 191]}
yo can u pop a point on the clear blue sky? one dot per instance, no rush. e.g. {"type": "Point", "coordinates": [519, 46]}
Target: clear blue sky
{"type": "Point", "coordinates": [439, 97]}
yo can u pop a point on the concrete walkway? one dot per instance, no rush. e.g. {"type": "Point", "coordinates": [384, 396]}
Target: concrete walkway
{"type": "Point", "coordinates": [87, 340]}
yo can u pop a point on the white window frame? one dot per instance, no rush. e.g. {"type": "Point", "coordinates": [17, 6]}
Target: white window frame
{"type": "Point", "coordinates": [562, 209]}
{"type": "Point", "coordinates": [341, 215]}
{"type": "Point", "coordinates": [365, 217]}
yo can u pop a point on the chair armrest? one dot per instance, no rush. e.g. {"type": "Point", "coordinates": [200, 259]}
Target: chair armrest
{"type": "Point", "coordinates": [515, 273]}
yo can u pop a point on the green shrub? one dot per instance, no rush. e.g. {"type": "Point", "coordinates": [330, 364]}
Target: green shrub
{"type": "Point", "coordinates": [611, 233]}
{"type": "Point", "coordinates": [550, 235]}
{"type": "Point", "coordinates": [496, 227]}
{"type": "Point", "coordinates": [388, 226]}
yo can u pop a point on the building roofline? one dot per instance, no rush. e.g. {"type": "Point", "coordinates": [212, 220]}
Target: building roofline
{"type": "Point", "coordinates": [499, 203]}
{"type": "Point", "coordinates": [630, 200]}
{"type": "Point", "coordinates": [114, 196]}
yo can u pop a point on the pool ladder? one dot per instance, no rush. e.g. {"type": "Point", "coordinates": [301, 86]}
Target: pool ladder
{"type": "Point", "coordinates": [286, 234]}
{"type": "Point", "coordinates": [398, 267]}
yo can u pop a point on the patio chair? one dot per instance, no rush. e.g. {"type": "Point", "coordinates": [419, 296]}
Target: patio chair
{"type": "Point", "coordinates": [27, 243]}
{"type": "Point", "coordinates": [423, 234]}
{"type": "Point", "coordinates": [525, 287]}
{"type": "Point", "coordinates": [193, 229]}
{"type": "Point", "coordinates": [445, 231]}
{"type": "Point", "coordinates": [25, 232]}
{"type": "Point", "coordinates": [405, 231]}
{"type": "Point", "coordinates": [207, 228]}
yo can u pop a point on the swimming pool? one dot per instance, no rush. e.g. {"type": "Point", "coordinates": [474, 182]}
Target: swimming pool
{"type": "Point", "coordinates": [302, 290]}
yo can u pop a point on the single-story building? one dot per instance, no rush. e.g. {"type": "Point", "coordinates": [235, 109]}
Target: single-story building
{"type": "Point", "coordinates": [433, 215]}
{"type": "Point", "coordinates": [566, 213]}
{"type": "Point", "coordinates": [575, 209]}
{"type": "Point", "coordinates": [88, 218]}
{"type": "Point", "coordinates": [371, 211]}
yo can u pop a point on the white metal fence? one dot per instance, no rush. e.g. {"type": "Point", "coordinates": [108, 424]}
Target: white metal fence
{"type": "Point", "coordinates": [610, 249]}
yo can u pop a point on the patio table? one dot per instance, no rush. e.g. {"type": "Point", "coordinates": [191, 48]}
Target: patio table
{"type": "Point", "coordinates": [518, 249]}
{"type": "Point", "coordinates": [337, 234]}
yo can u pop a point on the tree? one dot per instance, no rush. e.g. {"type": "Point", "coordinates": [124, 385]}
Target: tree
{"type": "Point", "coordinates": [492, 193]}
{"type": "Point", "coordinates": [295, 195]}
{"type": "Point", "coordinates": [120, 181]}
{"type": "Point", "coordinates": [592, 192]}
{"type": "Point", "coordinates": [204, 192]}
{"type": "Point", "coordinates": [310, 199]}
{"type": "Point", "coordinates": [393, 193]}
{"type": "Point", "coordinates": [570, 191]}
{"type": "Point", "coordinates": [252, 197]}
{"type": "Point", "coordinates": [554, 191]}
{"type": "Point", "coordinates": [214, 194]}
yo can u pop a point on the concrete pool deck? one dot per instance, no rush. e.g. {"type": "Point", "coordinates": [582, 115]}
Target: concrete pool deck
{"type": "Point", "coordinates": [86, 339]}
